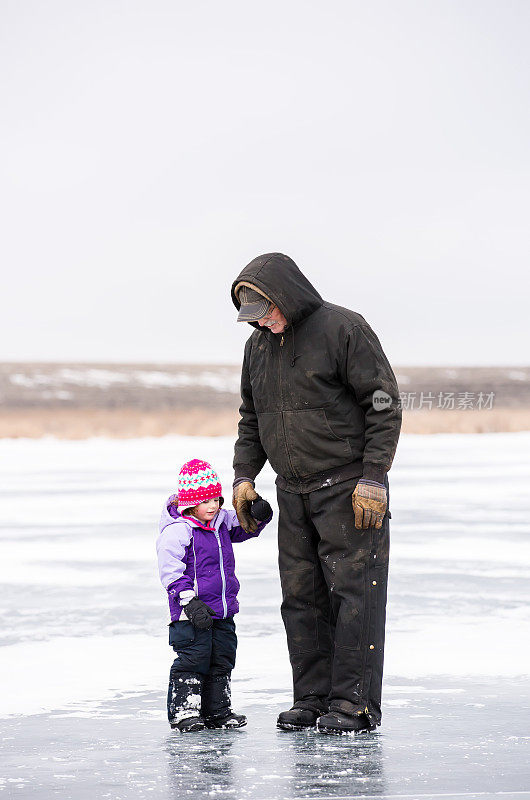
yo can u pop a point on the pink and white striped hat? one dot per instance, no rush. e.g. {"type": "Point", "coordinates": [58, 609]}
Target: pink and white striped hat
{"type": "Point", "coordinates": [198, 481]}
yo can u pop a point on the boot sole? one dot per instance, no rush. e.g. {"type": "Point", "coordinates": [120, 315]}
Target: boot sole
{"type": "Point", "coordinates": [226, 727]}
{"type": "Point", "coordinates": [291, 726]}
{"type": "Point", "coordinates": [191, 729]}
{"type": "Point", "coordinates": [340, 731]}
{"type": "Point", "coordinates": [333, 731]}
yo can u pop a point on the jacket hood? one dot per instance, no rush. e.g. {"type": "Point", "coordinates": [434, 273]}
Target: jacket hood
{"type": "Point", "coordinates": [280, 279]}
{"type": "Point", "coordinates": [169, 515]}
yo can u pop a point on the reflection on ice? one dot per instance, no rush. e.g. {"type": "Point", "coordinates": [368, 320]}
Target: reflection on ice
{"type": "Point", "coordinates": [277, 764]}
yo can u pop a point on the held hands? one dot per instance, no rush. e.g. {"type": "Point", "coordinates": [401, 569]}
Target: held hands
{"type": "Point", "coordinates": [369, 501]}
{"type": "Point", "coordinates": [250, 507]}
{"type": "Point", "coordinates": [199, 614]}
{"type": "Point", "coordinates": [244, 495]}
{"type": "Point", "coordinates": [260, 509]}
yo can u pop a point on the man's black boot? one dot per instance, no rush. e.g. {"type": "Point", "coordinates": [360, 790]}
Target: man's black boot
{"type": "Point", "coordinates": [298, 718]}
{"type": "Point", "coordinates": [338, 722]}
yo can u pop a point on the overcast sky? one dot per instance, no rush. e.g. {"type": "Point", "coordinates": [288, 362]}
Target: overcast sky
{"type": "Point", "coordinates": [150, 149]}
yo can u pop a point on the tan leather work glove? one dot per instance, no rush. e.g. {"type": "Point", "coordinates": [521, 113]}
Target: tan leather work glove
{"type": "Point", "coordinates": [244, 494]}
{"type": "Point", "coordinates": [369, 502]}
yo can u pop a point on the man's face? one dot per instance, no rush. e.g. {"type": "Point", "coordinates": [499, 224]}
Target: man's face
{"type": "Point", "coordinates": [274, 320]}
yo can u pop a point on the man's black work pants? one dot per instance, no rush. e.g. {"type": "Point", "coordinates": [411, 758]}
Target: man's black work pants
{"type": "Point", "coordinates": [334, 583]}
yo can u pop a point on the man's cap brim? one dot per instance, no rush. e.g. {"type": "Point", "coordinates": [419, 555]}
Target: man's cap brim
{"type": "Point", "coordinates": [252, 312]}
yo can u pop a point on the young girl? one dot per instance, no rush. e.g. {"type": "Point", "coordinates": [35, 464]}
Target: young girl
{"type": "Point", "coordinates": [196, 565]}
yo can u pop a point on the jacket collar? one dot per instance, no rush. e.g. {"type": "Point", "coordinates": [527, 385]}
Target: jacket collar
{"type": "Point", "coordinates": [196, 524]}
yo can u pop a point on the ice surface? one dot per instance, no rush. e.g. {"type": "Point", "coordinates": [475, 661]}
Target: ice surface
{"type": "Point", "coordinates": [84, 655]}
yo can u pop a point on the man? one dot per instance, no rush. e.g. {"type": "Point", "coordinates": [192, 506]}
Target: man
{"type": "Point", "coordinates": [320, 402]}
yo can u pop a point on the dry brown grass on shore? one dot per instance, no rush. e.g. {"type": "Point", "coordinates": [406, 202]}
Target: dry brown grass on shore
{"type": "Point", "coordinates": [115, 423]}
{"type": "Point", "coordinates": [130, 423]}
{"type": "Point", "coordinates": [496, 420]}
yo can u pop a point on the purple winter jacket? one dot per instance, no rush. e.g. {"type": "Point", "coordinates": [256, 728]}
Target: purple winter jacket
{"type": "Point", "coordinates": [193, 556]}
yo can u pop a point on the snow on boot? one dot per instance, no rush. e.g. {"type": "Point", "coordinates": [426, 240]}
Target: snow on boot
{"type": "Point", "coordinates": [297, 719]}
{"type": "Point", "coordinates": [230, 721]}
{"type": "Point", "coordinates": [189, 725]}
{"type": "Point", "coordinates": [216, 708]}
{"type": "Point", "coordinates": [337, 722]}
{"type": "Point", "coordinates": [184, 697]}
{"type": "Point", "coordinates": [216, 697]}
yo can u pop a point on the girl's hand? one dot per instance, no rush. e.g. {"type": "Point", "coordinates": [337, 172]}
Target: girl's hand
{"type": "Point", "coordinates": [199, 614]}
{"type": "Point", "coordinates": [260, 509]}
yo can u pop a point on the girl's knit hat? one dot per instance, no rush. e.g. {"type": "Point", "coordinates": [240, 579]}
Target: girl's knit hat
{"type": "Point", "coordinates": [198, 482]}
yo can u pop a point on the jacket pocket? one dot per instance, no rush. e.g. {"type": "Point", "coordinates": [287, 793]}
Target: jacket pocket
{"type": "Point", "coordinates": [312, 444]}
{"type": "Point", "coordinates": [272, 438]}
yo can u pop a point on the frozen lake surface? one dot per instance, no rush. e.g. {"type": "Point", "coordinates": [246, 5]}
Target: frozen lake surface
{"type": "Point", "coordinates": [84, 658]}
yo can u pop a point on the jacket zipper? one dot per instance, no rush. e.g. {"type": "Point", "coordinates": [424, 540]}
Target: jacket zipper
{"type": "Point", "coordinates": [281, 412]}
{"type": "Point", "coordinates": [196, 581]}
{"type": "Point", "coordinates": [221, 565]}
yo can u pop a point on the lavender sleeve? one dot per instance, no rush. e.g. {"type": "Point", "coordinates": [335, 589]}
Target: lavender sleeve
{"type": "Point", "coordinates": [172, 548]}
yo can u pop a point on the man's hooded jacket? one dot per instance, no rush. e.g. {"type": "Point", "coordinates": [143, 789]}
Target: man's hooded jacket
{"type": "Point", "coordinates": [308, 402]}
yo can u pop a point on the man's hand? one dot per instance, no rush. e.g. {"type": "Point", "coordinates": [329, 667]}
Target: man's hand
{"type": "Point", "coordinates": [199, 614]}
{"type": "Point", "coordinates": [369, 501]}
{"type": "Point", "coordinates": [244, 495]}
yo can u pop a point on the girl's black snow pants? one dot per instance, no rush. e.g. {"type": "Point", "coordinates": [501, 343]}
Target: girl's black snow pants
{"type": "Point", "coordinates": [334, 584]}
{"type": "Point", "coordinates": [199, 679]}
